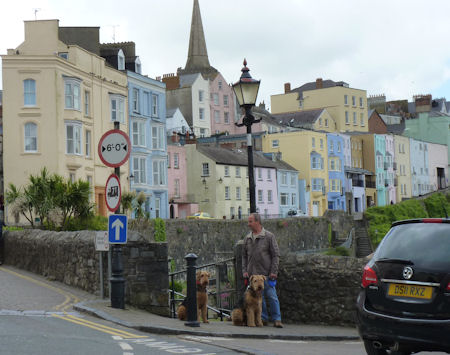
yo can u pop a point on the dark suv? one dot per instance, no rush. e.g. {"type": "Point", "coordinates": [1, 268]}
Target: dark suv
{"type": "Point", "coordinates": [404, 304]}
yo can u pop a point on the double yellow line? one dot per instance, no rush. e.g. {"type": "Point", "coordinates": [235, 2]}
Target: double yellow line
{"type": "Point", "coordinates": [69, 299]}
{"type": "Point", "coordinates": [100, 327]}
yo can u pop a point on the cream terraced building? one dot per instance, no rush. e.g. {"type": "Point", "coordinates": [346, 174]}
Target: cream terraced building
{"type": "Point", "coordinates": [58, 100]}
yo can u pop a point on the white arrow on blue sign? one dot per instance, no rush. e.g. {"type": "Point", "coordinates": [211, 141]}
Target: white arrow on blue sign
{"type": "Point", "coordinates": [117, 229]}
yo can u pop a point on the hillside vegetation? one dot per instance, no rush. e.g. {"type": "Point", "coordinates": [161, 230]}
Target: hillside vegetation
{"type": "Point", "coordinates": [381, 218]}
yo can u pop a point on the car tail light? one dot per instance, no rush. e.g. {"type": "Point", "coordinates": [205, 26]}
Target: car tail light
{"type": "Point", "coordinates": [432, 220]}
{"type": "Point", "coordinates": [448, 287]}
{"type": "Point", "coordinates": [369, 277]}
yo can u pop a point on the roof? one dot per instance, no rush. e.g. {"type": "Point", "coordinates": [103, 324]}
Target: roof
{"type": "Point", "coordinates": [312, 86]}
{"type": "Point", "coordinates": [238, 157]}
{"type": "Point", "coordinates": [396, 128]}
{"type": "Point", "coordinates": [352, 170]}
{"type": "Point", "coordinates": [170, 112]}
{"type": "Point", "coordinates": [302, 119]}
{"type": "Point", "coordinates": [188, 80]}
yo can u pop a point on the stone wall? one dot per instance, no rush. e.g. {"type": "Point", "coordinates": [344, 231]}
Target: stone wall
{"type": "Point", "coordinates": [70, 257]}
{"type": "Point", "coordinates": [319, 289]}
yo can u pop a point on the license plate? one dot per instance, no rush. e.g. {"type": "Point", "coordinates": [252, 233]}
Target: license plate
{"type": "Point", "coordinates": [410, 291]}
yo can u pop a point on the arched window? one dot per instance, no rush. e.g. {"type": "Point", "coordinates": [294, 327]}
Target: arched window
{"type": "Point", "coordinates": [29, 92]}
{"type": "Point", "coordinates": [30, 135]}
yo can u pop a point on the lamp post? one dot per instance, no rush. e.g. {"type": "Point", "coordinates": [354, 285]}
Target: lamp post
{"type": "Point", "coordinates": [246, 90]}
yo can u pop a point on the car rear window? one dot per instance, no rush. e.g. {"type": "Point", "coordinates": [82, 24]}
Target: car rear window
{"type": "Point", "coordinates": [425, 244]}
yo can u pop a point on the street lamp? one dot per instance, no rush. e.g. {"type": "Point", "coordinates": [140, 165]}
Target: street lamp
{"type": "Point", "coordinates": [246, 90]}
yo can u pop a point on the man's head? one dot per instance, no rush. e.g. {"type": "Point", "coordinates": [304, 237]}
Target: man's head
{"type": "Point", "coordinates": [254, 222]}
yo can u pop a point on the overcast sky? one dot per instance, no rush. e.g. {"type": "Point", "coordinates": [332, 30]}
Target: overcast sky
{"type": "Point", "coordinates": [399, 48]}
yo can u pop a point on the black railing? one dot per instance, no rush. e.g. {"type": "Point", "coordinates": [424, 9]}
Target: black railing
{"type": "Point", "coordinates": [371, 184]}
{"type": "Point", "coordinates": [358, 183]}
{"type": "Point", "coordinates": [222, 295]}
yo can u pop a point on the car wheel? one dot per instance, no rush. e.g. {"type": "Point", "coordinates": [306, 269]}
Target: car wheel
{"type": "Point", "coordinates": [370, 350]}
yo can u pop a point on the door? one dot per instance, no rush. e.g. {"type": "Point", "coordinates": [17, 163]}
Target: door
{"type": "Point", "coordinates": [315, 208]}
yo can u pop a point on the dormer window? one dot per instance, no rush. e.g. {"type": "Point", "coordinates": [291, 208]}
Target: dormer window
{"type": "Point", "coordinates": [137, 65]}
{"type": "Point", "coordinates": [120, 60]}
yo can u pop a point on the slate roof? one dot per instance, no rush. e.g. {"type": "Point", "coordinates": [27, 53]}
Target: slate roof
{"type": "Point", "coordinates": [352, 170]}
{"type": "Point", "coordinates": [396, 128]}
{"type": "Point", "coordinates": [312, 86]}
{"type": "Point", "coordinates": [302, 119]}
{"type": "Point", "coordinates": [239, 157]}
{"type": "Point", "coordinates": [170, 112]}
{"type": "Point", "coordinates": [188, 79]}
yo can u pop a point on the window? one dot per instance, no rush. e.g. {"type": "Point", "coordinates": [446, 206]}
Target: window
{"type": "Point", "coordinates": [202, 132]}
{"type": "Point", "coordinates": [168, 160]}
{"type": "Point", "coordinates": [135, 100]}
{"type": "Point", "coordinates": [155, 108]}
{"type": "Point", "coordinates": [248, 194]}
{"type": "Point", "coordinates": [226, 170]}
{"type": "Point", "coordinates": [260, 196]}
{"type": "Point", "coordinates": [316, 163]}
{"type": "Point", "coordinates": [332, 165]}
{"type": "Point", "coordinates": [269, 196]}
{"type": "Point", "coordinates": [117, 108]}
{"type": "Point", "coordinates": [220, 84]}
{"type": "Point", "coordinates": [284, 199]}
{"type": "Point", "coordinates": [176, 160]}
{"type": "Point", "coordinates": [158, 137]}
{"type": "Point", "coordinates": [120, 60]}
{"type": "Point", "coordinates": [339, 146]}
{"type": "Point", "coordinates": [205, 169]}
{"type": "Point", "coordinates": [157, 207]}
{"type": "Point", "coordinates": [354, 118]}
{"type": "Point", "coordinates": [201, 95]}
{"type": "Point", "coordinates": [320, 122]}
{"type": "Point", "coordinates": [201, 113]}
{"type": "Point", "coordinates": [321, 143]}
{"type": "Point", "coordinates": [353, 101]}
{"type": "Point", "coordinates": [259, 174]}
{"type": "Point", "coordinates": [29, 92]}
{"type": "Point", "coordinates": [331, 146]}
{"type": "Point", "coordinates": [177, 187]}
{"type": "Point", "coordinates": [63, 55]}
{"type": "Point", "coordinates": [217, 116]}
{"type": "Point", "coordinates": [138, 133]}
{"type": "Point", "coordinates": [159, 176]}
{"type": "Point", "coordinates": [335, 185]}
{"type": "Point", "coordinates": [293, 179]}
{"type": "Point", "coordinates": [294, 199]}
{"type": "Point", "coordinates": [313, 142]}
{"type": "Point", "coordinates": [362, 119]}
{"type": "Point", "coordinates": [227, 192]}
{"type": "Point", "coordinates": [317, 184]}
{"type": "Point", "coordinates": [216, 99]}
{"type": "Point", "coordinates": [275, 143]}
{"type": "Point", "coordinates": [72, 93]}
{"type": "Point", "coordinates": [345, 99]}
{"type": "Point", "coordinates": [284, 178]}
{"type": "Point", "coordinates": [346, 118]}
{"type": "Point", "coordinates": [326, 122]}
{"type": "Point", "coordinates": [30, 135]}
{"type": "Point", "coordinates": [238, 193]}
{"type": "Point", "coordinates": [269, 175]}
{"type": "Point", "coordinates": [87, 103]}
{"type": "Point", "coordinates": [225, 100]}
{"type": "Point", "coordinates": [87, 142]}
{"type": "Point", "coordinates": [73, 138]}
{"type": "Point", "coordinates": [139, 170]}
{"type": "Point", "coordinates": [226, 118]}
{"type": "Point", "coordinates": [238, 171]}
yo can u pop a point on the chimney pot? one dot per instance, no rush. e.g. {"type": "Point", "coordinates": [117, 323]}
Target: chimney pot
{"type": "Point", "coordinates": [287, 87]}
{"type": "Point", "coordinates": [319, 83]}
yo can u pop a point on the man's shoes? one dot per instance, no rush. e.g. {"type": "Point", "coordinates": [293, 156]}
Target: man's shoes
{"type": "Point", "coordinates": [265, 323]}
{"type": "Point", "coordinates": [278, 324]}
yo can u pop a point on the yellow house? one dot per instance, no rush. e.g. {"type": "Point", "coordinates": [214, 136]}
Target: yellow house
{"type": "Point", "coordinates": [403, 165]}
{"type": "Point", "coordinates": [348, 106]}
{"type": "Point", "coordinates": [306, 151]}
{"type": "Point", "coordinates": [58, 100]}
{"type": "Point", "coordinates": [317, 120]}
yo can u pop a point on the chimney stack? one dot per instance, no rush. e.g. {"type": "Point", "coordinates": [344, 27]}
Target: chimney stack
{"type": "Point", "coordinates": [319, 83]}
{"type": "Point", "coordinates": [287, 87]}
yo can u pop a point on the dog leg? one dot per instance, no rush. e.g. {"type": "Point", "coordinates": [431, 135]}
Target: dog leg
{"type": "Point", "coordinates": [250, 317]}
{"type": "Point", "coordinates": [258, 320]}
{"type": "Point", "coordinates": [205, 314]}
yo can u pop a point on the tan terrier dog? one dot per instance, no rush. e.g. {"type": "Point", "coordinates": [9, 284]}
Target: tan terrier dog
{"type": "Point", "coordinates": [250, 313]}
{"type": "Point", "coordinates": [202, 298]}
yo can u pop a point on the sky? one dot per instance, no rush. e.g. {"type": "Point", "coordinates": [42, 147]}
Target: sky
{"type": "Point", "coordinates": [398, 48]}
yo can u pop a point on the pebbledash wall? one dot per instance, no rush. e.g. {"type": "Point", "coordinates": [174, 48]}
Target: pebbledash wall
{"type": "Point", "coordinates": [313, 288]}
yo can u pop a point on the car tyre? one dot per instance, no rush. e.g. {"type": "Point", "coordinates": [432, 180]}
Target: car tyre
{"type": "Point", "coordinates": [370, 350]}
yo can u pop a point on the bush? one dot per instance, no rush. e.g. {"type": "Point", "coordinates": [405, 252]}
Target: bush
{"type": "Point", "coordinates": [339, 251]}
{"type": "Point", "coordinates": [177, 286]}
{"type": "Point", "coordinates": [160, 230]}
{"type": "Point", "coordinates": [437, 205]}
{"type": "Point", "coordinates": [97, 223]}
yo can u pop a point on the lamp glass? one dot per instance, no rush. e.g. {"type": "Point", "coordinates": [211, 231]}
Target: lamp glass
{"type": "Point", "coordinates": [246, 91]}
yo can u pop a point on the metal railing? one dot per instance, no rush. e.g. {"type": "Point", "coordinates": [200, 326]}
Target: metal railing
{"type": "Point", "coordinates": [222, 295]}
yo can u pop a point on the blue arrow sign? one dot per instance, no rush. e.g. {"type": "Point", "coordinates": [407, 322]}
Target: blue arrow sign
{"type": "Point", "coordinates": [117, 229]}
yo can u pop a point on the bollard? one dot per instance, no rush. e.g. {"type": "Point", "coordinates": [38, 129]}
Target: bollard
{"type": "Point", "coordinates": [191, 297]}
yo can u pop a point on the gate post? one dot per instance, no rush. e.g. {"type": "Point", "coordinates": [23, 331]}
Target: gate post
{"type": "Point", "coordinates": [240, 285]}
{"type": "Point", "coordinates": [191, 293]}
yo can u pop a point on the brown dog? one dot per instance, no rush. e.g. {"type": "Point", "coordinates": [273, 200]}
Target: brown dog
{"type": "Point", "coordinates": [202, 298]}
{"type": "Point", "coordinates": [250, 313]}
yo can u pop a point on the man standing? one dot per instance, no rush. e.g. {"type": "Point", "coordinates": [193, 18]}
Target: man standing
{"type": "Point", "coordinates": [260, 256]}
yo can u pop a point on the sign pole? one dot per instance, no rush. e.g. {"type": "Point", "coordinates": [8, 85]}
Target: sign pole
{"type": "Point", "coordinates": [117, 280]}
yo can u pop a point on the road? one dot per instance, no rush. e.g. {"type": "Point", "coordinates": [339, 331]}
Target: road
{"type": "Point", "coordinates": [36, 317]}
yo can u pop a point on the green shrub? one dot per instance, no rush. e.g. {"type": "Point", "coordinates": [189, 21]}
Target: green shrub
{"type": "Point", "coordinates": [97, 223]}
{"type": "Point", "coordinates": [160, 230]}
{"type": "Point", "coordinates": [12, 228]}
{"type": "Point", "coordinates": [437, 205]}
{"type": "Point", "coordinates": [339, 251]}
{"type": "Point", "coordinates": [176, 286]}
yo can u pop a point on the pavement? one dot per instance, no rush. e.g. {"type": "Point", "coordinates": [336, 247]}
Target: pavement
{"type": "Point", "coordinates": [151, 323]}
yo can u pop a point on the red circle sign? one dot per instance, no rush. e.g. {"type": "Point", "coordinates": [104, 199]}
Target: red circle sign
{"type": "Point", "coordinates": [113, 193]}
{"type": "Point", "coordinates": [114, 148]}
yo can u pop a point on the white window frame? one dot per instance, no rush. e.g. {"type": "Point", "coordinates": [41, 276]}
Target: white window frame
{"type": "Point", "coordinates": [139, 170]}
{"type": "Point", "coordinates": [157, 207]}
{"type": "Point", "coordinates": [354, 119]}
{"type": "Point", "coordinates": [347, 121]}
{"type": "Point", "coordinates": [155, 106]}
{"type": "Point", "coordinates": [87, 103]}
{"type": "Point", "coordinates": [201, 95]}
{"type": "Point", "coordinates": [216, 99]}
{"type": "Point", "coordinates": [293, 178]}
{"type": "Point", "coordinates": [73, 144]}
{"type": "Point", "coordinates": [205, 169]}
{"type": "Point", "coordinates": [284, 199]}
{"type": "Point", "coordinates": [225, 100]}
{"type": "Point", "coordinates": [275, 143]}
{"type": "Point", "coordinates": [135, 100]}
{"type": "Point", "coordinates": [238, 193]}
{"type": "Point", "coordinates": [226, 170]}
{"type": "Point", "coordinates": [72, 91]}
{"type": "Point", "coordinates": [159, 172]}
{"type": "Point", "coordinates": [283, 178]}
{"type": "Point", "coordinates": [30, 133]}
{"type": "Point", "coordinates": [158, 136]}
{"type": "Point", "coordinates": [269, 196]}
{"type": "Point", "coordinates": [117, 105]}
{"type": "Point", "coordinates": [226, 117]}
{"type": "Point", "coordinates": [138, 133]}
{"type": "Point", "coordinates": [176, 187]}
{"type": "Point", "coordinates": [260, 196]}
{"type": "Point", "coordinates": [345, 99]}
{"type": "Point", "coordinates": [87, 142]}
{"type": "Point", "coordinates": [227, 193]}
{"type": "Point", "coordinates": [176, 160]}
{"type": "Point", "coordinates": [201, 113]}
{"type": "Point", "coordinates": [29, 92]}
{"type": "Point", "coordinates": [238, 171]}
{"type": "Point", "coordinates": [216, 116]}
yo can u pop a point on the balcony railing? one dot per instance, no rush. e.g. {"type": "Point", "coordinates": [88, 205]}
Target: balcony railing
{"type": "Point", "coordinates": [371, 184]}
{"type": "Point", "coordinates": [357, 183]}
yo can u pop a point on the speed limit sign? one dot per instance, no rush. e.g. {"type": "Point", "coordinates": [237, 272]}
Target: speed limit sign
{"type": "Point", "coordinates": [114, 148]}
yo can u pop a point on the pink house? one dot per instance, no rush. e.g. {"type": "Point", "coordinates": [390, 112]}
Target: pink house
{"type": "Point", "coordinates": [180, 202]}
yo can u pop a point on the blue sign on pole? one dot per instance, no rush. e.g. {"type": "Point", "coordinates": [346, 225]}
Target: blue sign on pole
{"type": "Point", "coordinates": [117, 229]}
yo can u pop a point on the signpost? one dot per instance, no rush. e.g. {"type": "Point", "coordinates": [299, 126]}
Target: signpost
{"type": "Point", "coordinates": [101, 245]}
{"type": "Point", "coordinates": [113, 193]}
{"type": "Point", "coordinates": [114, 150]}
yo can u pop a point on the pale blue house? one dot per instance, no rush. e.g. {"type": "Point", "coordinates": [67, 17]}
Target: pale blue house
{"type": "Point", "coordinates": [336, 172]}
{"type": "Point", "coordinates": [380, 171]}
{"type": "Point", "coordinates": [420, 178]}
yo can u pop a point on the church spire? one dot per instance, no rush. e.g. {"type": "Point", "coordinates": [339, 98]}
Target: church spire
{"type": "Point", "coordinates": [197, 61]}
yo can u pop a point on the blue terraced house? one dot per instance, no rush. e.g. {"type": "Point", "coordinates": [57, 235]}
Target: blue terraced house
{"type": "Point", "coordinates": [336, 172]}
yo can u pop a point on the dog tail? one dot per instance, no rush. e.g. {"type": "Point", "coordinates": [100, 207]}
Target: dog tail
{"type": "Point", "coordinates": [182, 312]}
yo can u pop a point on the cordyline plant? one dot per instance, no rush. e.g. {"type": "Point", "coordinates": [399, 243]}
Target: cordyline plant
{"type": "Point", "coordinates": [51, 198]}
